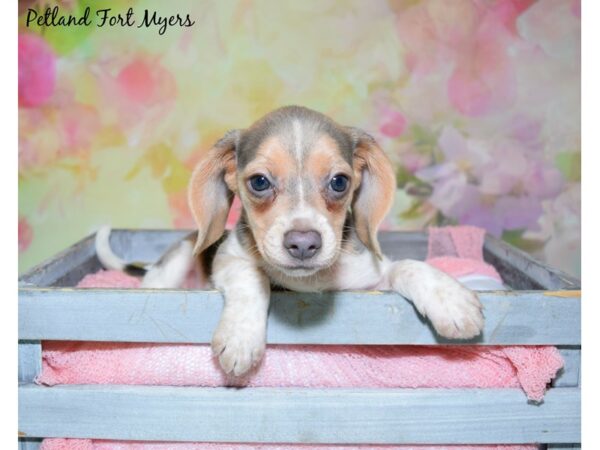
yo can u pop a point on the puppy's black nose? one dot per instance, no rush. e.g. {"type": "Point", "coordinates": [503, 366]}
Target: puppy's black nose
{"type": "Point", "coordinates": [302, 244]}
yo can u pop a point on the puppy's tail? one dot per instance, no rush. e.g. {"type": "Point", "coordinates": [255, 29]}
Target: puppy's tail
{"type": "Point", "coordinates": [169, 271]}
{"type": "Point", "coordinates": [111, 261]}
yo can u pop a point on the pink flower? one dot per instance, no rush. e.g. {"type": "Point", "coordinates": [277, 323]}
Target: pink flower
{"type": "Point", "coordinates": [393, 124]}
{"type": "Point", "coordinates": [139, 97]}
{"type": "Point", "coordinates": [470, 36]}
{"type": "Point", "coordinates": [507, 12]}
{"type": "Point", "coordinates": [483, 79]}
{"type": "Point", "coordinates": [37, 71]}
{"type": "Point", "coordinates": [25, 234]}
{"type": "Point", "coordinates": [576, 8]}
{"type": "Point", "coordinates": [146, 82]}
{"type": "Point", "coordinates": [79, 125]}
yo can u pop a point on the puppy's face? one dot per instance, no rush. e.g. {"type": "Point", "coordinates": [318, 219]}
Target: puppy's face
{"type": "Point", "coordinates": [298, 175]}
{"type": "Point", "coordinates": [296, 190]}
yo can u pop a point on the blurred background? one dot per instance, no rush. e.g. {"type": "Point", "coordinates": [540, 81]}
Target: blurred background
{"type": "Point", "coordinates": [477, 102]}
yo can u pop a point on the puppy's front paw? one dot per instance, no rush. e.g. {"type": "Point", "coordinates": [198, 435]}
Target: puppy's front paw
{"type": "Point", "coordinates": [238, 347]}
{"type": "Point", "coordinates": [455, 312]}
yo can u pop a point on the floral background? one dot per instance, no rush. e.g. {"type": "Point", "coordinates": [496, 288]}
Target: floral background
{"type": "Point", "coordinates": [477, 102]}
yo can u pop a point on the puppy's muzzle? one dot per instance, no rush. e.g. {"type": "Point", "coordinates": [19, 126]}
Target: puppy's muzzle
{"type": "Point", "coordinates": [302, 245]}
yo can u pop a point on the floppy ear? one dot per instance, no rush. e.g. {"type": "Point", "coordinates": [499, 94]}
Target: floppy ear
{"type": "Point", "coordinates": [211, 190]}
{"type": "Point", "coordinates": [375, 195]}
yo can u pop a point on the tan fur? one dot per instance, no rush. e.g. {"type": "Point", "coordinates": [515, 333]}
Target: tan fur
{"type": "Point", "coordinates": [376, 195]}
{"type": "Point", "coordinates": [209, 197]}
{"type": "Point", "coordinates": [323, 162]}
{"type": "Point", "coordinates": [271, 159]}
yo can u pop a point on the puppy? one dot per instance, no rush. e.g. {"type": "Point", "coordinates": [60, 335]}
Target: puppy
{"type": "Point", "coordinates": [313, 194]}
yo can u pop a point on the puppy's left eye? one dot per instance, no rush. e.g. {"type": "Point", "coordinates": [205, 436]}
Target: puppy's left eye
{"type": "Point", "coordinates": [339, 183]}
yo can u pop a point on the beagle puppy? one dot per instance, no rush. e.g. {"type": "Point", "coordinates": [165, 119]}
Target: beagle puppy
{"type": "Point", "coordinates": [313, 195]}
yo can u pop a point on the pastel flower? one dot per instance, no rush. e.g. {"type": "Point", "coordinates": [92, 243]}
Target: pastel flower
{"type": "Point", "coordinates": [560, 229]}
{"type": "Point", "coordinates": [79, 125]}
{"type": "Point", "coordinates": [393, 123]}
{"type": "Point", "coordinates": [428, 34]}
{"type": "Point", "coordinates": [554, 26]}
{"type": "Point", "coordinates": [146, 82]}
{"type": "Point", "coordinates": [497, 185]}
{"type": "Point", "coordinates": [483, 79]}
{"type": "Point", "coordinates": [25, 234]}
{"type": "Point", "coordinates": [138, 98]}
{"type": "Point", "coordinates": [576, 8]}
{"type": "Point", "coordinates": [507, 12]}
{"type": "Point", "coordinates": [37, 71]}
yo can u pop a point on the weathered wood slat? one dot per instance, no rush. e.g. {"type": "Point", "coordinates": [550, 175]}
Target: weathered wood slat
{"type": "Point", "coordinates": [67, 266]}
{"type": "Point", "coordinates": [29, 444]}
{"type": "Point", "coordinates": [293, 415]}
{"type": "Point", "coordinates": [143, 245]}
{"type": "Point", "coordinates": [30, 360]}
{"type": "Point", "coordinates": [385, 416]}
{"type": "Point", "coordinates": [329, 318]}
{"type": "Point", "coordinates": [521, 271]}
{"type": "Point", "coordinates": [570, 374]}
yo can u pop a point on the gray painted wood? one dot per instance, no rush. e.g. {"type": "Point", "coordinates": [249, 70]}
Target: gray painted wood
{"type": "Point", "coordinates": [144, 245]}
{"type": "Point", "coordinates": [520, 271]}
{"type": "Point", "coordinates": [403, 245]}
{"type": "Point", "coordinates": [569, 375]}
{"type": "Point", "coordinates": [376, 416]}
{"type": "Point", "coordinates": [30, 360]}
{"type": "Point", "coordinates": [330, 318]}
{"type": "Point", "coordinates": [69, 266]}
{"type": "Point", "coordinates": [29, 444]}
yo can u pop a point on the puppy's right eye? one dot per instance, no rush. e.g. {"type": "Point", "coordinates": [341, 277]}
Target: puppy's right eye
{"type": "Point", "coordinates": [259, 183]}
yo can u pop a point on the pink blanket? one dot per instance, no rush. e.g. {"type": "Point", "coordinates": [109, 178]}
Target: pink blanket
{"type": "Point", "coordinates": [530, 368]}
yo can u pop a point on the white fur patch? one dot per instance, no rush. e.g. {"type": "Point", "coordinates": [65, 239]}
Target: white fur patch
{"type": "Point", "coordinates": [171, 273]}
{"type": "Point", "coordinates": [239, 340]}
{"type": "Point", "coordinates": [298, 137]}
{"type": "Point", "coordinates": [104, 253]}
{"type": "Point", "coordinates": [454, 311]}
{"type": "Point", "coordinates": [277, 255]}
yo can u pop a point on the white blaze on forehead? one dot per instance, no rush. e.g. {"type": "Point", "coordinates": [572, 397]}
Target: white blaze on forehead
{"type": "Point", "coordinates": [297, 137]}
{"type": "Point", "coordinates": [297, 133]}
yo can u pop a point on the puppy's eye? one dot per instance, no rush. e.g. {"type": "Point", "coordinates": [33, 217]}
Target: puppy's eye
{"type": "Point", "coordinates": [339, 183]}
{"type": "Point", "coordinates": [259, 183]}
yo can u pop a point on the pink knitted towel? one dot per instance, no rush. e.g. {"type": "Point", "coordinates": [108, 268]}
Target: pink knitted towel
{"type": "Point", "coordinates": [458, 251]}
{"type": "Point", "coordinates": [531, 368]}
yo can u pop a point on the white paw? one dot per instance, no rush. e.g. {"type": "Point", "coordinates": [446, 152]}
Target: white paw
{"type": "Point", "coordinates": [455, 311]}
{"type": "Point", "coordinates": [238, 346]}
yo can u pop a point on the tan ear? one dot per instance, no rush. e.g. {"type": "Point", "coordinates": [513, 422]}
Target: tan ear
{"type": "Point", "coordinates": [210, 191]}
{"type": "Point", "coordinates": [375, 195]}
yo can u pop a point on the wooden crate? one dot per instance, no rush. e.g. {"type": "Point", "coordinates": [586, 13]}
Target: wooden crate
{"type": "Point", "coordinates": [543, 307]}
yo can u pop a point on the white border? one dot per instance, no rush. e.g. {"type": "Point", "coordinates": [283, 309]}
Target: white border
{"type": "Point", "coordinates": [590, 219]}
{"type": "Point", "coordinates": [9, 222]}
